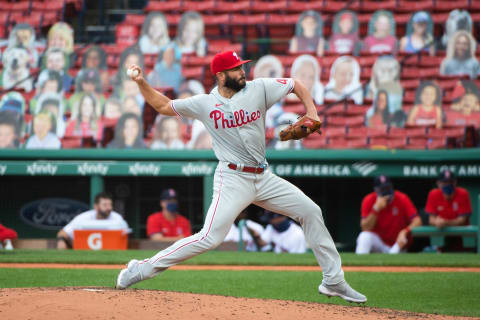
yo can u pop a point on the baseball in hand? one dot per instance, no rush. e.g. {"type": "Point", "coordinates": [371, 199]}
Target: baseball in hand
{"type": "Point", "coordinates": [132, 73]}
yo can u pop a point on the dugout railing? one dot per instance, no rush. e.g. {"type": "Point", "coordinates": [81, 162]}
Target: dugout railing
{"type": "Point", "coordinates": [470, 234]}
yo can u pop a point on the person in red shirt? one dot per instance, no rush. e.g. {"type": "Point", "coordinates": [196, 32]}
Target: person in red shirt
{"type": "Point", "coordinates": [387, 218]}
{"type": "Point", "coordinates": [168, 224]}
{"type": "Point", "coordinates": [448, 205]}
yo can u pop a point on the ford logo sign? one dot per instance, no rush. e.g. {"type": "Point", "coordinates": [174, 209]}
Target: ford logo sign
{"type": "Point", "coordinates": [51, 213]}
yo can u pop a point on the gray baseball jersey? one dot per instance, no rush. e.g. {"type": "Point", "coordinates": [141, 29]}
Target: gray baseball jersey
{"type": "Point", "coordinates": [237, 125]}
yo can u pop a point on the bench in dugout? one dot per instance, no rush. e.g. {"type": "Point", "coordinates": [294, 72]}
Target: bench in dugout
{"type": "Point", "coordinates": [470, 234]}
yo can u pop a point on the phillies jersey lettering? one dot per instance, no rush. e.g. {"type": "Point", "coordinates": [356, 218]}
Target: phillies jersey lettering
{"type": "Point", "coordinates": [241, 118]}
{"type": "Point", "coordinates": [237, 125]}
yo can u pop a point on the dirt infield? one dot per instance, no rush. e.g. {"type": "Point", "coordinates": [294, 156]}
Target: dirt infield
{"type": "Point", "coordinates": [246, 268]}
{"type": "Point", "coordinates": [106, 303]}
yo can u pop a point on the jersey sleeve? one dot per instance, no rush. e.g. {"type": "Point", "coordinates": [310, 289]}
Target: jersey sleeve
{"type": "Point", "coordinates": [367, 205]}
{"type": "Point", "coordinates": [122, 223]}
{"type": "Point", "coordinates": [430, 206]}
{"type": "Point", "coordinates": [276, 89]}
{"type": "Point", "coordinates": [153, 225]}
{"type": "Point", "coordinates": [70, 227]}
{"type": "Point", "coordinates": [188, 108]}
{"type": "Point", "coordinates": [465, 206]}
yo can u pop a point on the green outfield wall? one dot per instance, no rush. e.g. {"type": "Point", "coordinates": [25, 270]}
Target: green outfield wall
{"type": "Point", "coordinates": [336, 179]}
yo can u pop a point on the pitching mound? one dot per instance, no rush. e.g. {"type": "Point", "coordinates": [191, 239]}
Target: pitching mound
{"type": "Point", "coordinates": [106, 303]}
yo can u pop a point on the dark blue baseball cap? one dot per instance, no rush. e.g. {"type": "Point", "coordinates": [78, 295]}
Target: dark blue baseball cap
{"type": "Point", "coordinates": [446, 176]}
{"type": "Point", "coordinates": [168, 194]}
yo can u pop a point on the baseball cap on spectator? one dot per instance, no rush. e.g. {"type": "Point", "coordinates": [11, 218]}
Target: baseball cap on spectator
{"type": "Point", "coordinates": [446, 176]}
{"type": "Point", "coordinates": [383, 185]}
{"type": "Point", "coordinates": [168, 194]}
{"type": "Point", "coordinates": [382, 181]}
{"type": "Point", "coordinates": [420, 17]}
{"type": "Point", "coordinates": [13, 101]}
{"type": "Point", "coordinates": [225, 61]}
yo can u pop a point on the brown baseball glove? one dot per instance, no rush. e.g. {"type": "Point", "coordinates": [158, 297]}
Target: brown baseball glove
{"type": "Point", "coordinates": [304, 127]}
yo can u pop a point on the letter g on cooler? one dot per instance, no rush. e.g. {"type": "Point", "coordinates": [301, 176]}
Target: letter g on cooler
{"type": "Point", "coordinates": [94, 241]}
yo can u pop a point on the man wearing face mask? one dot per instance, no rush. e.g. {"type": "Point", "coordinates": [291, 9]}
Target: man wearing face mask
{"type": "Point", "coordinates": [388, 215]}
{"type": "Point", "coordinates": [281, 235]}
{"type": "Point", "coordinates": [448, 205]}
{"type": "Point", "coordinates": [102, 217]}
{"type": "Point", "coordinates": [168, 225]}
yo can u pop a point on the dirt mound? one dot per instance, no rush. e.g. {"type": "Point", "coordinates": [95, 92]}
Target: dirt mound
{"type": "Point", "coordinates": [106, 303]}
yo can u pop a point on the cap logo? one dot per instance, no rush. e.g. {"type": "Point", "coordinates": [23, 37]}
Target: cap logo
{"type": "Point", "coordinates": [235, 55]}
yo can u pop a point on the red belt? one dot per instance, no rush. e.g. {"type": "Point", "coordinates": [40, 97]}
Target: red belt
{"type": "Point", "coordinates": [247, 169]}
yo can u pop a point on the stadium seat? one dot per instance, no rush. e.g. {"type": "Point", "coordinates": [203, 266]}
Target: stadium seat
{"type": "Point", "coordinates": [447, 6]}
{"type": "Point", "coordinates": [193, 60]}
{"type": "Point", "coordinates": [267, 6]}
{"type": "Point", "coordinates": [413, 5]}
{"type": "Point", "coordinates": [22, 6]}
{"type": "Point", "coordinates": [217, 46]}
{"type": "Point", "coordinates": [232, 7]}
{"type": "Point", "coordinates": [333, 6]}
{"type": "Point", "coordinates": [71, 143]}
{"type": "Point", "coordinates": [410, 83]}
{"type": "Point", "coordinates": [300, 6]}
{"type": "Point", "coordinates": [53, 5]}
{"type": "Point", "coordinates": [337, 109]}
{"type": "Point", "coordinates": [371, 6]}
{"type": "Point", "coordinates": [248, 26]}
{"type": "Point", "coordinates": [356, 121]}
{"type": "Point", "coordinates": [281, 25]}
{"type": "Point", "coordinates": [356, 110]}
{"type": "Point", "coordinates": [173, 19]}
{"type": "Point", "coordinates": [216, 25]}
{"type": "Point", "coordinates": [457, 119]}
{"type": "Point", "coordinates": [34, 19]}
{"type": "Point", "coordinates": [358, 132]}
{"type": "Point", "coordinates": [334, 132]}
{"type": "Point", "coordinates": [199, 6]}
{"type": "Point", "coordinates": [193, 72]}
{"type": "Point", "coordinates": [49, 18]}
{"type": "Point", "coordinates": [296, 108]}
{"type": "Point", "coordinates": [341, 143]}
{"type": "Point", "coordinates": [4, 15]}
{"type": "Point", "coordinates": [435, 133]}
{"type": "Point", "coordinates": [394, 132]}
{"type": "Point", "coordinates": [417, 143]}
{"type": "Point", "coordinates": [315, 141]}
{"type": "Point", "coordinates": [163, 6]}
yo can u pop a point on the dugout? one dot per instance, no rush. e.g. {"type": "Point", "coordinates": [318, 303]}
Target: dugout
{"type": "Point", "coordinates": [336, 179]}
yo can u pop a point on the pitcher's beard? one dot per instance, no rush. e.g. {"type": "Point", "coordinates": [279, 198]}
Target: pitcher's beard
{"type": "Point", "coordinates": [234, 85]}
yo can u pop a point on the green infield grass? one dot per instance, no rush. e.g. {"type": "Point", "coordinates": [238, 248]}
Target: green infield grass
{"type": "Point", "coordinates": [242, 258]}
{"type": "Point", "coordinates": [434, 292]}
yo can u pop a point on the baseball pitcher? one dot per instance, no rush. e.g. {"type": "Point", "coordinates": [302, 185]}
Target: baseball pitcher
{"type": "Point", "coordinates": [234, 114]}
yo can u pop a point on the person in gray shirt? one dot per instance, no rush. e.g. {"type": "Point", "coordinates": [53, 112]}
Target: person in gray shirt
{"type": "Point", "coordinates": [460, 59]}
